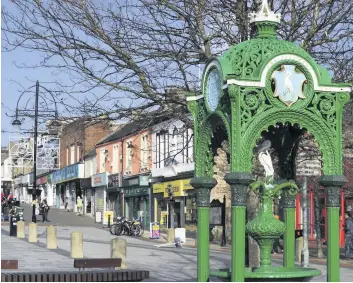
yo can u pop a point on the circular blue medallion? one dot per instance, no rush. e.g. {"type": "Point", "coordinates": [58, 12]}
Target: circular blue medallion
{"type": "Point", "coordinates": [213, 90]}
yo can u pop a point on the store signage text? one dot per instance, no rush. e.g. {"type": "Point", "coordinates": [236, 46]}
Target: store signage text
{"type": "Point", "coordinates": [99, 180]}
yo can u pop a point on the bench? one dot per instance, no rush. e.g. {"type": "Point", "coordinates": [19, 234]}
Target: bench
{"type": "Point", "coordinates": [9, 264]}
{"type": "Point", "coordinates": [97, 263]}
{"type": "Point", "coordinates": [87, 276]}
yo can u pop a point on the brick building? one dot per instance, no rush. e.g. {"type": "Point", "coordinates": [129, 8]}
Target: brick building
{"type": "Point", "coordinates": [77, 139]}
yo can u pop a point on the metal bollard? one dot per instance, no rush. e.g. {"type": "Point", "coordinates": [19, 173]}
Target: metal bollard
{"type": "Point", "coordinates": [20, 230]}
{"type": "Point", "coordinates": [118, 250]}
{"type": "Point", "coordinates": [109, 221]}
{"type": "Point", "coordinates": [32, 233]}
{"type": "Point", "coordinates": [51, 238]}
{"type": "Point", "coordinates": [76, 247]}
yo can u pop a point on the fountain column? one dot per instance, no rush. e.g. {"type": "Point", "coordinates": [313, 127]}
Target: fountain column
{"type": "Point", "coordinates": [239, 183]}
{"type": "Point", "coordinates": [203, 186]}
{"type": "Point", "coordinates": [333, 184]}
{"type": "Point", "coordinates": [288, 200]}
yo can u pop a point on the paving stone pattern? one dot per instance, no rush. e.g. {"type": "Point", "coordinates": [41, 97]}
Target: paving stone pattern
{"type": "Point", "coordinates": [164, 264]}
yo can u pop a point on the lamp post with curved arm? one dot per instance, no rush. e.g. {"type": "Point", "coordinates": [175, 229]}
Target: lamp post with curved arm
{"type": "Point", "coordinates": [17, 123]}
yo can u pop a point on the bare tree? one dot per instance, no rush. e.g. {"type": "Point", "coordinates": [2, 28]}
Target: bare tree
{"type": "Point", "coordinates": [121, 56]}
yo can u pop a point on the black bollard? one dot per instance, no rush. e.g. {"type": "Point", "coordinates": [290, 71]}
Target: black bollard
{"type": "Point", "coordinates": [13, 225]}
{"type": "Point", "coordinates": [109, 221]}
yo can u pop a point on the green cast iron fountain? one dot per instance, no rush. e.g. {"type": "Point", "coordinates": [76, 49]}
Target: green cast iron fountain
{"type": "Point", "coordinates": [265, 229]}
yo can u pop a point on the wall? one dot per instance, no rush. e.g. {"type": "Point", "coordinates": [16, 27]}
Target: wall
{"type": "Point", "coordinates": [90, 165]}
{"type": "Point", "coordinates": [82, 136]}
{"type": "Point", "coordinates": [6, 170]}
{"type": "Point", "coordinates": [112, 164]}
{"type": "Point", "coordinates": [136, 158]}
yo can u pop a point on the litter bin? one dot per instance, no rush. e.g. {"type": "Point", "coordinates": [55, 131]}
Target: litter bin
{"type": "Point", "coordinates": [13, 225]}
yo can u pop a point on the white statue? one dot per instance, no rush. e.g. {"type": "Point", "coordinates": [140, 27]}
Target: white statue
{"type": "Point", "coordinates": [265, 158]}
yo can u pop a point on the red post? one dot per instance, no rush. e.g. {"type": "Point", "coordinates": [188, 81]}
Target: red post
{"type": "Point", "coordinates": [342, 220]}
{"type": "Point", "coordinates": [297, 213]}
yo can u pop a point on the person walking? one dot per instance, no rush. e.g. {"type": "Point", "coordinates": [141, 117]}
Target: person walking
{"type": "Point", "coordinates": [45, 210]}
{"type": "Point", "coordinates": [348, 229]}
{"type": "Point", "coordinates": [79, 205]}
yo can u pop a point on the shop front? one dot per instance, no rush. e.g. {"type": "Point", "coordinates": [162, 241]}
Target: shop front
{"type": "Point", "coordinates": [174, 196]}
{"type": "Point", "coordinates": [115, 196]}
{"type": "Point", "coordinates": [99, 185]}
{"type": "Point", "coordinates": [86, 186]}
{"type": "Point", "coordinates": [27, 183]}
{"type": "Point", "coordinates": [137, 198]}
{"type": "Point", "coordinates": [68, 187]}
{"type": "Point", "coordinates": [45, 188]}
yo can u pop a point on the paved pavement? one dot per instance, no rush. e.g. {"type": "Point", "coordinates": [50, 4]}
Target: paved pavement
{"type": "Point", "coordinates": [60, 217]}
{"type": "Point", "coordinates": [164, 264]}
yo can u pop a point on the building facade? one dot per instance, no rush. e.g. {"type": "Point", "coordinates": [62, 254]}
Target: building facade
{"type": "Point", "coordinates": [173, 168]}
{"type": "Point", "coordinates": [76, 141]}
{"type": "Point", "coordinates": [124, 162]}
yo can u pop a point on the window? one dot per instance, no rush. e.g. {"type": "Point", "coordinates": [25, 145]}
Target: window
{"type": "Point", "coordinates": [144, 151]}
{"type": "Point", "coordinates": [91, 169]}
{"type": "Point", "coordinates": [115, 158]}
{"type": "Point", "coordinates": [161, 148]}
{"type": "Point", "coordinates": [67, 156]}
{"type": "Point", "coordinates": [72, 155]}
{"type": "Point", "coordinates": [129, 155]}
{"type": "Point", "coordinates": [102, 161]}
{"type": "Point", "coordinates": [78, 153]}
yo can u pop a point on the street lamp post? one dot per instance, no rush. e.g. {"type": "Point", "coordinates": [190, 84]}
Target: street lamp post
{"type": "Point", "coordinates": [18, 123]}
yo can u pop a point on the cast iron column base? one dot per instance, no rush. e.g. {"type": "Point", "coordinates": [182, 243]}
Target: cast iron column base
{"type": "Point", "coordinates": [239, 183]}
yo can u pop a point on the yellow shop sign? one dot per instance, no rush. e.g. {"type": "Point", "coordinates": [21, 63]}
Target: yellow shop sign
{"type": "Point", "coordinates": [177, 187]}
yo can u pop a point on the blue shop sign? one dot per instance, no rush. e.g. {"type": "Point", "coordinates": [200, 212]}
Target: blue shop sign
{"type": "Point", "coordinates": [67, 173]}
{"type": "Point", "coordinates": [99, 180]}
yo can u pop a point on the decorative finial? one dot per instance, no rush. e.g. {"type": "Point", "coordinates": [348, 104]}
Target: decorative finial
{"type": "Point", "coordinates": [265, 14]}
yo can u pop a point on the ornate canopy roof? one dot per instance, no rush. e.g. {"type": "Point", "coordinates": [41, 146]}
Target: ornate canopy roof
{"type": "Point", "coordinates": [248, 63]}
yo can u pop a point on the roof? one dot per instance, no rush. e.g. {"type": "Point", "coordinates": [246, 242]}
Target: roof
{"type": "Point", "coordinates": [135, 126]}
{"type": "Point", "coordinates": [247, 60]}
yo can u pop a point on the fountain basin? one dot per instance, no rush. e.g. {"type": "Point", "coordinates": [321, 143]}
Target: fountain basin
{"type": "Point", "coordinates": [271, 274]}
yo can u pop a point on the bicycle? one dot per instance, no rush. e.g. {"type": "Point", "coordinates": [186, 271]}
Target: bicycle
{"type": "Point", "coordinates": [116, 227]}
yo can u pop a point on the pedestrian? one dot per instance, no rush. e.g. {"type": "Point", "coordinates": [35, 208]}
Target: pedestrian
{"type": "Point", "coordinates": [79, 205]}
{"type": "Point", "coordinates": [45, 209]}
{"type": "Point", "coordinates": [66, 202]}
{"type": "Point", "coordinates": [348, 229]}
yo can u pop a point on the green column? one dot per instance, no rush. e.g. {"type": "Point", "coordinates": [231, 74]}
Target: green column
{"type": "Point", "coordinates": [289, 238]}
{"type": "Point", "coordinates": [288, 200]}
{"type": "Point", "coordinates": [333, 184]}
{"type": "Point", "coordinates": [238, 184]}
{"type": "Point", "coordinates": [203, 186]}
